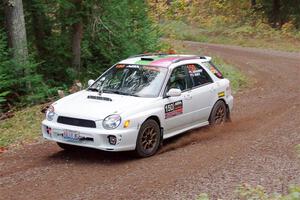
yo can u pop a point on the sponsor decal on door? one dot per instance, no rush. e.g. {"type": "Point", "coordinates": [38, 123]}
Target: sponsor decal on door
{"type": "Point", "coordinates": [173, 109]}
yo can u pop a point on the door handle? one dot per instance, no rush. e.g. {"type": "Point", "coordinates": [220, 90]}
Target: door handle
{"type": "Point", "coordinates": [188, 96]}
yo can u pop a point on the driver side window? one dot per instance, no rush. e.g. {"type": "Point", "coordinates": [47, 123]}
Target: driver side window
{"type": "Point", "coordinates": [179, 79]}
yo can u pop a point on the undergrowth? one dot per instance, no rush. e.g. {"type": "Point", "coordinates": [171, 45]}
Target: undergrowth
{"type": "Point", "coordinates": [24, 126]}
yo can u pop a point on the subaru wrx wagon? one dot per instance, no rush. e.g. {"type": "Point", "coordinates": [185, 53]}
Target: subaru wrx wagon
{"type": "Point", "coordinates": [139, 102]}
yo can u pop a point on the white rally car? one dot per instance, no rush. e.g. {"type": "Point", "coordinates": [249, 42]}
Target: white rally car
{"type": "Point", "coordinates": [139, 102]}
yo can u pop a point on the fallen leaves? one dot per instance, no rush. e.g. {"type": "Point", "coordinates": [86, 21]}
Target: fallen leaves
{"type": "Point", "coordinates": [3, 149]}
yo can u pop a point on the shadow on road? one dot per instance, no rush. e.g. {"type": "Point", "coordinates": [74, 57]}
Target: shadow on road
{"type": "Point", "coordinates": [87, 155]}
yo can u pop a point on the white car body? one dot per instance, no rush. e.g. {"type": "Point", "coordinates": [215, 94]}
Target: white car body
{"type": "Point", "coordinates": [194, 110]}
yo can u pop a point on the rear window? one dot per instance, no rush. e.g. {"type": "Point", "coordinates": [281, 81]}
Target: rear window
{"type": "Point", "coordinates": [213, 69]}
{"type": "Point", "coordinates": [198, 75]}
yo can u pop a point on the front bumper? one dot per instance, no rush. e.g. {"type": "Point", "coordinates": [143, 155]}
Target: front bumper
{"type": "Point", "coordinates": [91, 137]}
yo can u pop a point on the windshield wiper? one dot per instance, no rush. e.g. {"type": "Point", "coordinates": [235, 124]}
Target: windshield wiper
{"type": "Point", "coordinates": [93, 89]}
{"type": "Point", "coordinates": [110, 91]}
{"type": "Point", "coordinates": [119, 92]}
{"type": "Point", "coordinates": [129, 94]}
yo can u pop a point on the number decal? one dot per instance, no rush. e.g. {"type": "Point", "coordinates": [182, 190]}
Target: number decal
{"type": "Point", "coordinates": [173, 109]}
{"type": "Point", "coordinates": [169, 107]}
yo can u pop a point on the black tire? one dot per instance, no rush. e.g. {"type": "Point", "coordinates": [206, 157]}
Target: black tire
{"type": "Point", "coordinates": [148, 140]}
{"type": "Point", "coordinates": [218, 114]}
{"type": "Point", "coordinates": [67, 147]}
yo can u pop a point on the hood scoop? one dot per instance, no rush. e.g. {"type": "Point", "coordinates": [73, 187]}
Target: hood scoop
{"type": "Point", "coordinates": [99, 98]}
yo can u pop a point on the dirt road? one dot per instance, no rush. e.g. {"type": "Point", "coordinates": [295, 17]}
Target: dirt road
{"type": "Point", "coordinates": [258, 147]}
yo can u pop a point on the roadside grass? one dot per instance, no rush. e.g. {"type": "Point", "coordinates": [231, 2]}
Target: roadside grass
{"type": "Point", "coordinates": [259, 36]}
{"type": "Point", "coordinates": [23, 127]}
{"type": "Point", "coordinates": [247, 192]}
{"type": "Point", "coordinates": [298, 149]}
{"type": "Point", "coordinates": [237, 79]}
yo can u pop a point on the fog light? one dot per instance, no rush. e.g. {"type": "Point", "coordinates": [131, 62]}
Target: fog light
{"type": "Point", "coordinates": [112, 139]}
{"type": "Point", "coordinates": [48, 130]}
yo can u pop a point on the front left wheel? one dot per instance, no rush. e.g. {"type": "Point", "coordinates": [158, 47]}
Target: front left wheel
{"type": "Point", "coordinates": [148, 139]}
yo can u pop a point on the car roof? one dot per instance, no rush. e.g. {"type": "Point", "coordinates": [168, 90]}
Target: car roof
{"type": "Point", "coordinates": [162, 60]}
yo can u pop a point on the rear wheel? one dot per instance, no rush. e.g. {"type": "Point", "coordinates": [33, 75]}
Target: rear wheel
{"type": "Point", "coordinates": [218, 114]}
{"type": "Point", "coordinates": [66, 147]}
{"type": "Point", "coordinates": [148, 139]}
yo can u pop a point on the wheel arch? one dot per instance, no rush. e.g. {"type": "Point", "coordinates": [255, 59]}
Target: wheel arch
{"type": "Point", "coordinates": [156, 118]}
{"type": "Point", "coordinates": [228, 118]}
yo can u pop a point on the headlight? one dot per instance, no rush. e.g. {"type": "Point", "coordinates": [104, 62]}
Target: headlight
{"type": "Point", "coordinates": [111, 121]}
{"type": "Point", "coordinates": [50, 113]}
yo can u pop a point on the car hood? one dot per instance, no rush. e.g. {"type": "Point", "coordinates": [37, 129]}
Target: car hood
{"type": "Point", "coordinates": [78, 105]}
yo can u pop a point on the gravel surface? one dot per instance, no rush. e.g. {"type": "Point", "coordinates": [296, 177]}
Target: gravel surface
{"type": "Point", "coordinates": [258, 147]}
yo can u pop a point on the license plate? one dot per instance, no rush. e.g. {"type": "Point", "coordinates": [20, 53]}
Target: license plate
{"type": "Point", "coordinates": [71, 136]}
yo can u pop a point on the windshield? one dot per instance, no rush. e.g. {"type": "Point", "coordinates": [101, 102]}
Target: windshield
{"type": "Point", "coordinates": [134, 80]}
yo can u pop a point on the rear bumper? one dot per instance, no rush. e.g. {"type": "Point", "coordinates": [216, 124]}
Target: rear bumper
{"type": "Point", "coordinates": [91, 137]}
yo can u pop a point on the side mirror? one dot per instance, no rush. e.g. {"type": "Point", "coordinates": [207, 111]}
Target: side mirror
{"type": "Point", "coordinates": [173, 92]}
{"type": "Point", "coordinates": [90, 82]}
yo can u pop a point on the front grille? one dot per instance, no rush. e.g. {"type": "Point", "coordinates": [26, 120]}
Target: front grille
{"type": "Point", "coordinates": [76, 122]}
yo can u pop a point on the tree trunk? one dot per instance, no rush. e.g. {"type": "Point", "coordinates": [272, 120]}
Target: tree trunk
{"type": "Point", "coordinates": [15, 24]}
{"type": "Point", "coordinates": [76, 45]}
{"type": "Point", "coordinates": [41, 28]}
{"type": "Point", "coordinates": [253, 3]}
{"type": "Point", "coordinates": [276, 14]}
{"type": "Point", "coordinates": [77, 32]}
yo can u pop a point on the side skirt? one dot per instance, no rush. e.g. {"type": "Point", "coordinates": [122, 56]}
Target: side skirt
{"type": "Point", "coordinates": [176, 132]}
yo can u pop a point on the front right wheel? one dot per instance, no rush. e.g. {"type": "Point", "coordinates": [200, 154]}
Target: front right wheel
{"type": "Point", "coordinates": [148, 139]}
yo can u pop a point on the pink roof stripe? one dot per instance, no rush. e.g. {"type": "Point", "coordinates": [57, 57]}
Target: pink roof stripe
{"type": "Point", "coordinates": [164, 62]}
